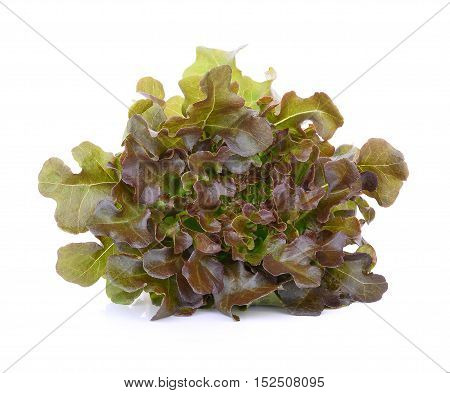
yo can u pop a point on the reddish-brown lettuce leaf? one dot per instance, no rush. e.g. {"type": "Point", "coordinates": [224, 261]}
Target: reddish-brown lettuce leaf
{"type": "Point", "coordinates": [179, 298]}
{"type": "Point", "coordinates": [295, 259]}
{"type": "Point", "coordinates": [204, 273]}
{"type": "Point", "coordinates": [125, 224]}
{"type": "Point", "coordinates": [330, 252]}
{"type": "Point", "coordinates": [162, 262]}
{"type": "Point", "coordinates": [342, 181]}
{"type": "Point", "coordinates": [127, 273]}
{"type": "Point", "coordinates": [302, 301]}
{"type": "Point", "coordinates": [148, 164]}
{"type": "Point", "coordinates": [206, 244]}
{"type": "Point", "coordinates": [241, 287]}
{"type": "Point", "coordinates": [181, 242]}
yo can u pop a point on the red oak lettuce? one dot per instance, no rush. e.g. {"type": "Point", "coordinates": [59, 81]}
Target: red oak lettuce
{"type": "Point", "coordinates": [226, 197]}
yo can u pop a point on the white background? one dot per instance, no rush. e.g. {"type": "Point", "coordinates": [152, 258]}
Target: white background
{"type": "Point", "coordinates": [49, 106]}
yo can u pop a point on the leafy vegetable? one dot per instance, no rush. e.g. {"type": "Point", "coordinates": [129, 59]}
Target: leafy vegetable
{"type": "Point", "coordinates": [226, 197]}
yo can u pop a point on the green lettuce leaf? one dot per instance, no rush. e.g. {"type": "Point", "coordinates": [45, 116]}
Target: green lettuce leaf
{"type": "Point", "coordinates": [319, 109]}
{"type": "Point", "coordinates": [84, 263]}
{"type": "Point", "coordinates": [388, 164]}
{"type": "Point", "coordinates": [119, 296]}
{"type": "Point", "coordinates": [150, 87]}
{"type": "Point", "coordinates": [77, 195]}
{"type": "Point", "coordinates": [221, 112]}
{"type": "Point", "coordinates": [354, 282]}
{"type": "Point", "coordinates": [207, 59]}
